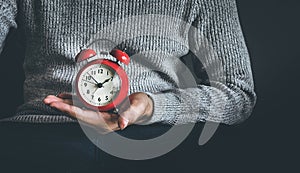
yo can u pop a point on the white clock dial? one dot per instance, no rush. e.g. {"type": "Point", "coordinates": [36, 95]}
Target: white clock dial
{"type": "Point", "coordinates": [99, 84]}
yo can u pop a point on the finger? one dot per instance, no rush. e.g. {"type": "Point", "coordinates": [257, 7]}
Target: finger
{"type": "Point", "coordinates": [102, 121]}
{"type": "Point", "coordinates": [136, 113]}
{"type": "Point", "coordinates": [128, 117]}
{"type": "Point", "coordinates": [51, 98]}
{"type": "Point", "coordinates": [80, 114]}
{"type": "Point", "coordinates": [65, 95]}
{"type": "Point", "coordinates": [123, 122]}
{"type": "Point", "coordinates": [127, 112]}
{"type": "Point", "coordinates": [111, 120]}
{"type": "Point", "coordinates": [109, 116]}
{"type": "Point", "coordinates": [125, 105]}
{"type": "Point", "coordinates": [70, 96]}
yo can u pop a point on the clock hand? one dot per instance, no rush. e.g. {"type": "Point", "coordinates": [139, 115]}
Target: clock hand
{"type": "Point", "coordinates": [100, 85]}
{"type": "Point", "coordinates": [89, 82]}
{"type": "Point", "coordinates": [106, 80]}
{"type": "Point", "coordinates": [95, 91]}
{"type": "Point", "coordinates": [93, 78]}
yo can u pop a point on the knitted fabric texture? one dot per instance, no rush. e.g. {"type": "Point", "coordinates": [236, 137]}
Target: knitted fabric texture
{"type": "Point", "coordinates": [159, 34]}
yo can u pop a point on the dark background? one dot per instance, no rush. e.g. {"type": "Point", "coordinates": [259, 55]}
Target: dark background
{"type": "Point", "coordinates": [267, 141]}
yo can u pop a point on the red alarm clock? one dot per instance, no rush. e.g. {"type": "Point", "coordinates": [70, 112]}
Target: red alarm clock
{"type": "Point", "coordinates": [101, 83]}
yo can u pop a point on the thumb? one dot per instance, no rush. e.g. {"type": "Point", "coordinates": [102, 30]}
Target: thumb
{"type": "Point", "coordinates": [123, 122]}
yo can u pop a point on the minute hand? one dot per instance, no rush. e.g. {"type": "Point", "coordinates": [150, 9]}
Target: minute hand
{"type": "Point", "coordinates": [93, 78]}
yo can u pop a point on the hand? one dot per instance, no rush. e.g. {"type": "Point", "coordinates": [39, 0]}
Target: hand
{"type": "Point", "coordinates": [137, 109]}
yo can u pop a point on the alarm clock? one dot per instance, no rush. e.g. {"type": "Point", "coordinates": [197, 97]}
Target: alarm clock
{"type": "Point", "coordinates": [101, 83]}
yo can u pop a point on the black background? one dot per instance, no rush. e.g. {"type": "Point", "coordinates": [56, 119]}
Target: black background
{"type": "Point", "coordinates": [267, 141]}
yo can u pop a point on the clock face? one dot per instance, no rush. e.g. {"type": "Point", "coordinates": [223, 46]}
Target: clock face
{"type": "Point", "coordinates": [98, 85]}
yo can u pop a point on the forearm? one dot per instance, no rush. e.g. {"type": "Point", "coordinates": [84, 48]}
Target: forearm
{"type": "Point", "coordinates": [221, 104]}
{"type": "Point", "coordinates": [217, 41]}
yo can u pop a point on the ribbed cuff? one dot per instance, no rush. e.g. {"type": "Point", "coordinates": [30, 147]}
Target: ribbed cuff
{"type": "Point", "coordinates": [164, 108]}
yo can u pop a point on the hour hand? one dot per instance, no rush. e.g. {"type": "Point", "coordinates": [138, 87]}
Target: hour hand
{"type": "Point", "coordinates": [107, 80]}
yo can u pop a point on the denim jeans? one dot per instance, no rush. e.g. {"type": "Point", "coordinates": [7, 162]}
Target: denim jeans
{"type": "Point", "coordinates": [58, 147]}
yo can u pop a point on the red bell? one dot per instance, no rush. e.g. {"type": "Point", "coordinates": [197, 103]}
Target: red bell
{"type": "Point", "coordinates": [85, 54]}
{"type": "Point", "coordinates": [121, 56]}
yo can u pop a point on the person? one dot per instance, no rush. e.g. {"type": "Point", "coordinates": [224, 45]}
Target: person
{"type": "Point", "coordinates": [55, 32]}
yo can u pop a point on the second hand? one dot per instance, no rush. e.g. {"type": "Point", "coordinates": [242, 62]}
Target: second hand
{"type": "Point", "coordinates": [90, 82]}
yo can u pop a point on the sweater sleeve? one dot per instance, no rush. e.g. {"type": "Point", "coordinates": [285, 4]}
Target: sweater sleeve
{"type": "Point", "coordinates": [8, 12]}
{"type": "Point", "coordinates": [216, 39]}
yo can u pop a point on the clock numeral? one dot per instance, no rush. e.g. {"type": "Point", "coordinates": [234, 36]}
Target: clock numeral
{"type": "Point", "coordinates": [85, 84]}
{"type": "Point", "coordinates": [88, 77]}
{"type": "Point", "coordinates": [107, 73]}
{"type": "Point", "coordinates": [88, 91]}
{"type": "Point", "coordinates": [93, 96]}
{"type": "Point", "coordinates": [99, 99]}
{"type": "Point", "coordinates": [106, 98]}
{"type": "Point", "coordinates": [112, 92]}
{"type": "Point", "coordinates": [100, 71]}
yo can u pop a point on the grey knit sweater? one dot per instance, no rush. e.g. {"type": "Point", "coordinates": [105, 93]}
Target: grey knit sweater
{"type": "Point", "coordinates": [158, 34]}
